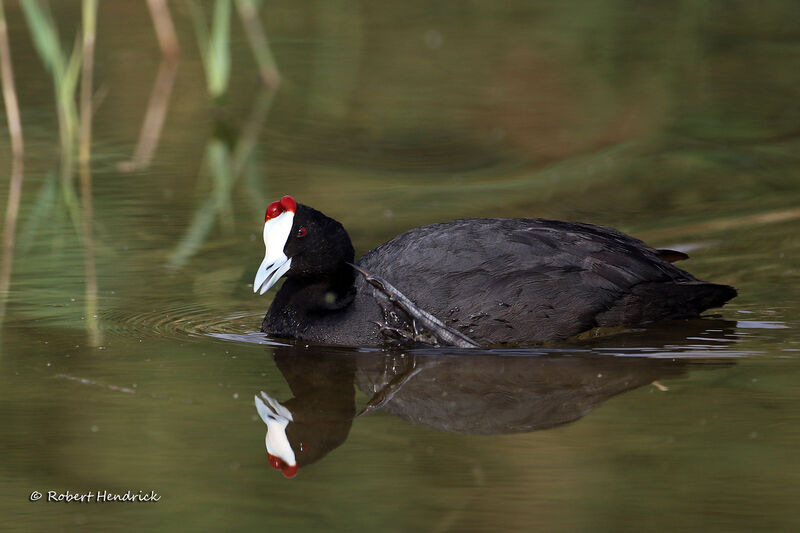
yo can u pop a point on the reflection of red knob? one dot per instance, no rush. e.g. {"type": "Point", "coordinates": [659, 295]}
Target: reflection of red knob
{"type": "Point", "coordinates": [279, 464]}
{"type": "Point", "coordinates": [275, 462]}
{"type": "Point", "coordinates": [290, 471]}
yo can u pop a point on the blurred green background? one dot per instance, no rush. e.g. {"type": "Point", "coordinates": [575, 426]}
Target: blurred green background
{"type": "Point", "coordinates": [128, 352]}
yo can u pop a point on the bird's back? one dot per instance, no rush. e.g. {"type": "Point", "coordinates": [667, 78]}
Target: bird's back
{"type": "Point", "coordinates": [532, 280]}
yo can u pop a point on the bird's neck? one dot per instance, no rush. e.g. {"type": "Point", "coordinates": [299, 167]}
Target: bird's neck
{"type": "Point", "coordinates": [300, 299]}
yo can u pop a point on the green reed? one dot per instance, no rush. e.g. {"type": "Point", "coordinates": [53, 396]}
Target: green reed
{"type": "Point", "coordinates": [17, 146]}
{"type": "Point", "coordinates": [214, 42]}
{"type": "Point", "coordinates": [84, 154]}
{"type": "Point", "coordinates": [226, 161]}
{"type": "Point", "coordinates": [65, 71]}
{"type": "Point", "coordinates": [68, 69]}
{"type": "Point", "coordinates": [257, 37]}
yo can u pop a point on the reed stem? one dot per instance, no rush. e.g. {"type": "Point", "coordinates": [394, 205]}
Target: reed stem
{"type": "Point", "coordinates": [158, 104]}
{"type": "Point", "coordinates": [9, 90]}
{"type": "Point", "coordinates": [165, 29]}
{"type": "Point", "coordinates": [89, 32]}
{"type": "Point", "coordinates": [17, 147]}
{"type": "Point", "coordinates": [267, 66]}
{"type": "Point", "coordinates": [84, 158]}
{"type": "Point", "coordinates": [65, 71]}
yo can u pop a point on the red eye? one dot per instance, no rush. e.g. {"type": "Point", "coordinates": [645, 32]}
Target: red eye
{"type": "Point", "coordinates": [301, 232]}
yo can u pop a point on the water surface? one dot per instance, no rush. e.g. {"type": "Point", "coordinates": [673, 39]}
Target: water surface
{"type": "Point", "coordinates": [676, 124]}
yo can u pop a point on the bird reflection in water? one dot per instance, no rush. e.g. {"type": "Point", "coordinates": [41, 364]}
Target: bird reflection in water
{"type": "Point", "coordinates": [469, 392]}
{"type": "Point", "coordinates": [317, 419]}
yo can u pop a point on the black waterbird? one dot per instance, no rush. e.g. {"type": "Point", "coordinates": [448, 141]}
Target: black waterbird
{"type": "Point", "coordinates": [467, 283]}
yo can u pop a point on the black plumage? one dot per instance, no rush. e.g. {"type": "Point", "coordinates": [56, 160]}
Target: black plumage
{"type": "Point", "coordinates": [497, 281]}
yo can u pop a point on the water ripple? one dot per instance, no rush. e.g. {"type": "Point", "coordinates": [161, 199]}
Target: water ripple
{"type": "Point", "coordinates": [178, 321]}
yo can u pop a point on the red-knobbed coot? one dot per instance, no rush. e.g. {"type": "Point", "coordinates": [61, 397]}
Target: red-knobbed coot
{"type": "Point", "coordinates": [470, 282]}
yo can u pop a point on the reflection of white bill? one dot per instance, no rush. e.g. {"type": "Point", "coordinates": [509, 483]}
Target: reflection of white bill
{"type": "Point", "coordinates": [276, 417]}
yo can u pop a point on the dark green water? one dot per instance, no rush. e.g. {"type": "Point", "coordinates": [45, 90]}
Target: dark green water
{"type": "Point", "coordinates": [677, 124]}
